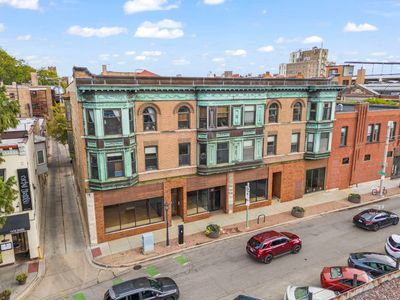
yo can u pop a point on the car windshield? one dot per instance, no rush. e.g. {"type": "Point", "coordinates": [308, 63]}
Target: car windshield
{"type": "Point", "coordinates": [336, 273]}
{"type": "Point", "coordinates": [301, 293]}
{"type": "Point", "coordinates": [155, 284]}
{"type": "Point", "coordinates": [393, 243]}
{"type": "Point", "coordinates": [367, 216]}
{"type": "Point", "coordinates": [255, 244]}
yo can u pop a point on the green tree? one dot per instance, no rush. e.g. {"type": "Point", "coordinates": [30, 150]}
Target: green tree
{"type": "Point", "coordinates": [8, 119]}
{"type": "Point", "coordinates": [47, 77]}
{"type": "Point", "coordinates": [57, 127]}
{"type": "Point", "coordinates": [12, 69]}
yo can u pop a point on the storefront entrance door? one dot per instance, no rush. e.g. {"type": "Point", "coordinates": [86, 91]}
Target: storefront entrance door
{"type": "Point", "coordinates": [396, 167]}
{"type": "Point", "coordinates": [214, 198]}
{"type": "Point", "coordinates": [20, 243]}
{"type": "Point", "coordinates": [315, 180]}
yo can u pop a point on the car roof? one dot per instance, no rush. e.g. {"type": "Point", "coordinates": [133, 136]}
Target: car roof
{"type": "Point", "coordinates": [346, 272]}
{"type": "Point", "coordinates": [127, 286]}
{"type": "Point", "coordinates": [396, 238]}
{"type": "Point", "coordinates": [373, 257]}
{"type": "Point", "coordinates": [268, 235]}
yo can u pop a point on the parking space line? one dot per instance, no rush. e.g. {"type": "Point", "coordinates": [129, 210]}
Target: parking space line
{"type": "Point", "coordinates": [152, 271]}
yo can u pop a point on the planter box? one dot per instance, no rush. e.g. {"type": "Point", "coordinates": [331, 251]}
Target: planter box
{"type": "Point", "coordinates": [297, 214]}
{"type": "Point", "coordinates": [355, 198]}
{"type": "Point", "coordinates": [213, 235]}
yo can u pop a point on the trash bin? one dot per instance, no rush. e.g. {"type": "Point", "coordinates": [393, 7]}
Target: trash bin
{"type": "Point", "coordinates": [148, 242]}
{"type": "Point", "coordinates": [180, 235]}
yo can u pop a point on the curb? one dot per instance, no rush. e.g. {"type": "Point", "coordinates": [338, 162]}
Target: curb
{"type": "Point", "coordinates": [34, 283]}
{"type": "Point", "coordinates": [242, 233]}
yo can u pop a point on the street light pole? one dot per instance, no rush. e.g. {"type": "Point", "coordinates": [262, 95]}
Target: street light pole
{"type": "Point", "coordinates": [167, 217]}
{"type": "Point", "coordinates": [384, 164]}
{"type": "Point", "coordinates": [247, 197]}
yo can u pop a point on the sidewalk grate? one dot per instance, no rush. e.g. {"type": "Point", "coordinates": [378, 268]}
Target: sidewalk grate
{"type": "Point", "coordinates": [117, 281]}
{"type": "Point", "coordinates": [79, 296]}
{"type": "Point", "coordinates": [182, 260]}
{"type": "Point", "coordinates": [152, 271]}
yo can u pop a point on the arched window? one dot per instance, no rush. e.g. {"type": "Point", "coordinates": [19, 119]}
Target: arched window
{"type": "Point", "coordinates": [183, 117]}
{"type": "Point", "coordinates": [149, 119]}
{"type": "Point", "coordinates": [297, 112]}
{"type": "Point", "coordinates": [273, 113]}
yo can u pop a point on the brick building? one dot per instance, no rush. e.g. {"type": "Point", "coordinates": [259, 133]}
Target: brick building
{"type": "Point", "coordinates": [359, 136]}
{"type": "Point", "coordinates": [309, 63]}
{"type": "Point", "coordinates": [144, 144]}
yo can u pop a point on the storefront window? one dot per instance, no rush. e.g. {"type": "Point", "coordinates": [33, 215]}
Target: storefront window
{"type": "Point", "coordinates": [133, 214]}
{"type": "Point", "coordinates": [204, 200]}
{"type": "Point", "coordinates": [258, 191]}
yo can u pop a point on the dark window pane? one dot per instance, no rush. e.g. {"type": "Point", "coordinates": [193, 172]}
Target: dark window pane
{"type": "Point", "coordinates": [203, 117]}
{"type": "Point", "coordinates": [297, 112]}
{"type": "Point", "coordinates": [151, 160]}
{"type": "Point", "coordinates": [273, 113]}
{"type": "Point", "coordinates": [345, 161]}
{"type": "Point", "coordinates": [115, 165]}
{"type": "Point", "coordinates": [149, 119]}
{"type": "Point", "coordinates": [271, 145]}
{"type": "Point", "coordinates": [184, 154]}
{"type": "Point", "coordinates": [313, 111]}
{"type": "Point", "coordinates": [94, 172]}
{"type": "Point", "coordinates": [248, 150]}
{"type": "Point", "coordinates": [324, 142]}
{"type": "Point", "coordinates": [183, 117]}
{"type": "Point", "coordinates": [203, 155]}
{"type": "Point", "coordinates": [222, 116]}
{"type": "Point", "coordinates": [3, 174]}
{"type": "Point", "coordinates": [90, 122]}
{"type": "Point", "coordinates": [131, 120]}
{"type": "Point", "coordinates": [343, 136]}
{"type": "Point", "coordinates": [192, 203]}
{"type": "Point", "coordinates": [294, 147]}
{"type": "Point", "coordinates": [327, 111]}
{"type": "Point", "coordinates": [133, 161]}
{"type": "Point", "coordinates": [112, 220]}
{"type": "Point", "coordinates": [112, 121]}
{"type": "Point", "coordinates": [310, 142]}
{"type": "Point", "coordinates": [240, 193]}
{"type": "Point", "coordinates": [222, 153]}
{"type": "Point", "coordinates": [249, 115]}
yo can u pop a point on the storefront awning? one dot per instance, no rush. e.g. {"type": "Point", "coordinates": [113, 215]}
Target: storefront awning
{"type": "Point", "coordinates": [16, 224]}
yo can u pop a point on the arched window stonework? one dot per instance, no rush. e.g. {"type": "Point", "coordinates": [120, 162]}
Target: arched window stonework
{"type": "Point", "coordinates": [149, 119]}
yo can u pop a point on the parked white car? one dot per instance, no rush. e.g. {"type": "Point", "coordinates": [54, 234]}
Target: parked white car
{"type": "Point", "coordinates": [393, 245]}
{"type": "Point", "coordinates": [302, 292]}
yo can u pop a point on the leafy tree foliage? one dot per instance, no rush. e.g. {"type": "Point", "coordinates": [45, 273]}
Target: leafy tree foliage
{"type": "Point", "coordinates": [8, 119]}
{"type": "Point", "coordinates": [57, 127]}
{"type": "Point", "coordinates": [12, 69]}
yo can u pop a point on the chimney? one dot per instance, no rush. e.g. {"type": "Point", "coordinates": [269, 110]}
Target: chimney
{"type": "Point", "coordinates": [34, 79]}
{"type": "Point", "coordinates": [103, 69]}
{"type": "Point", "coordinates": [360, 76]}
{"type": "Point", "coordinates": [267, 74]}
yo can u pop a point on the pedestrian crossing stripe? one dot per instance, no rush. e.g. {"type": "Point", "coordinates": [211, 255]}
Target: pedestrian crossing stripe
{"type": "Point", "coordinates": [152, 271]}
{"type": "Point", "coordinates": [182, 260]}
{"type": "Point", "coordinates": [79, 296]}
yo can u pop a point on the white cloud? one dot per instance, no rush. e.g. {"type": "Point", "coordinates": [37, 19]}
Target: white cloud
{"type": "Point", "coordinates": [268, 48]}
{"type": "Point", "coordinates": [352, 27]}
{"type": "Point", "coordinates": [121, 63]}
{"type": "Point", "coordinates": [98, 32]}
{"type": "Point", "coordinates": [164, 29]}
{"type": "Point", "coordinates": [130, 52]}
{"type": "Point", "coordinates": [238, 52]}
{"type": "Point", "coordinates": [213, 2]}
{"type": "Point", "coordinates": [151, 53]}
{"type": "Point", "coordinates": [2, 27]}
{"type": "Point", "coordinates": [314, 39]}
{"type": "Point", "coordinates": [21, 4]}
{"type": "Point", "coordinates": [181, 61]}
{"type": "Point", "coordinates": [135, 6]}
{"type": "Point", "coordinates": [218, 59]}
{"type": "Point", "coordinates": [140, 57]}
{"type": "Point", "coordinates": [24, 37]}
{"type": "Point", "coordinates": [283, 40]}
{"type": "Point", "coordinates": [104, 56]}
{"type": "Point", "coordinates": [378, 53]}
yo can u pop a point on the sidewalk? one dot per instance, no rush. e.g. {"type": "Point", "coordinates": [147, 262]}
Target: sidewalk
{"type": "Point", "coordinates": [127, 251]}
{"type": "Point", "coordinates": [8, 274]}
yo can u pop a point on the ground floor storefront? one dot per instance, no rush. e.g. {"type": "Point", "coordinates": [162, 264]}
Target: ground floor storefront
{"type": "Point", "coordinates": [18, 239]}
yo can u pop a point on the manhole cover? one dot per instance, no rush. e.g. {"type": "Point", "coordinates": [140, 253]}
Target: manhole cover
{"type": "Point", "coordinates": [137, 267]}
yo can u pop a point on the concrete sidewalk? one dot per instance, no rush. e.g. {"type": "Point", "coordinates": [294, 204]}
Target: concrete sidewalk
{"type": "Point", "coordinates": [127, 251]}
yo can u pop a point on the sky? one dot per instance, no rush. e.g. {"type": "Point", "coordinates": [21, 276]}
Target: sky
{"type": "Point", "coordinates": [196, 37]}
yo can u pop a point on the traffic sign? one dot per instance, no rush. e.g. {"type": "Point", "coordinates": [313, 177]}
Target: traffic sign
{"type": "Point", "coordinates": [382, 173]}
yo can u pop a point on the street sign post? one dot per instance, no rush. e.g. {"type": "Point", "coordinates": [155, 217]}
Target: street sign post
{"type": "Point", "coordinates": [247, 197]}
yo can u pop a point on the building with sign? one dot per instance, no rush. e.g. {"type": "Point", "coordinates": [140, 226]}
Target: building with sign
{"type": "Point", "coordinates": [145, 144]}
{"type": "Point", "coordinates": [25, 157]}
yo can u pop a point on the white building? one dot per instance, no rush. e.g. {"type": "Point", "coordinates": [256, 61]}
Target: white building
{"type": "Point", "coordinates": [25, 157]}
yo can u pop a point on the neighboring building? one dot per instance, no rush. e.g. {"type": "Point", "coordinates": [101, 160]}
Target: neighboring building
{"type": "Point", "coordinates": [359, 136]}
{"type": "Point", "coordinates": [34, 100]}
{"type": "Point", "coordinates": [282, 69]}
{"type": "Point", "coordinates": [310, 63]}
{"type": "Point", "coordinates": [25, 157]}
{"type": "Point", "coordinates": [143, 144]}
{"type": "Point", "coordinates": [342, 74]}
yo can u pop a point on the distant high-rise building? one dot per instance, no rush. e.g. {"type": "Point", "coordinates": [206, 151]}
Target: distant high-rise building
{"type": "Point", "coordinates": [309, 63]}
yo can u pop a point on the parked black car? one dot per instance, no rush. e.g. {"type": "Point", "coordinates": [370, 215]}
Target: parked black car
{"type": "Point", "coordinates": [373, 219]}
{"type": "Point", "coordinates": [375, 264]}
{"type": "Point", "coordinates": [144, 288]}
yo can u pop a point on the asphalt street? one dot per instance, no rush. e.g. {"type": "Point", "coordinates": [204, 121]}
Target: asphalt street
{"type": "Point", "coordinates": [223, 270]}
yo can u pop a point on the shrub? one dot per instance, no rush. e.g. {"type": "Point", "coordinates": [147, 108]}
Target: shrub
{"type": "Point", "coordinates": [298, 209]}
{"type": "Point", "coordinates": [212, 228]}
{"type": "Point", "coordinates": [354, 198]}
{"type": "Point", "coordinates": [380, 101]}
{"type": "Point", "coordinates": [21, 277]}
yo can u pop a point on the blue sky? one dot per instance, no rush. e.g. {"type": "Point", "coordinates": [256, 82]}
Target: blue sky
{"type": "Point", "coordinates": [194, 37]}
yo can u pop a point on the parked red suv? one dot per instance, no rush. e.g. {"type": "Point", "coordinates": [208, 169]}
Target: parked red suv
{"type": "Point", "coordinates": [267, 245]}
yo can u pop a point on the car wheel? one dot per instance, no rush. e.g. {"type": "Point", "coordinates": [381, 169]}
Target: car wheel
{"type": "Point", "coordinates": [296, 249]}
{"type": "Point", "coordinates": [375, 227]}
{"type": "Point", "coordinates": [268, 258]}
{"type": "Point", "coordinates": [395, 221]}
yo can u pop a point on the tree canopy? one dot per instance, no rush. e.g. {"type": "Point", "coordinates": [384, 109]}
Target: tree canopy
{"type": "Point", "coordinates": [57, 127]}
{"type": "Point", "coordinates": [12, 69]}
{"type": "Point", "coordinates": [8, 119]}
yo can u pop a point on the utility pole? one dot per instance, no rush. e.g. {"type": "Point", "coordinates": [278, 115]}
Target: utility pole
{"type": "Point", "coordinates": [384, 164]}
